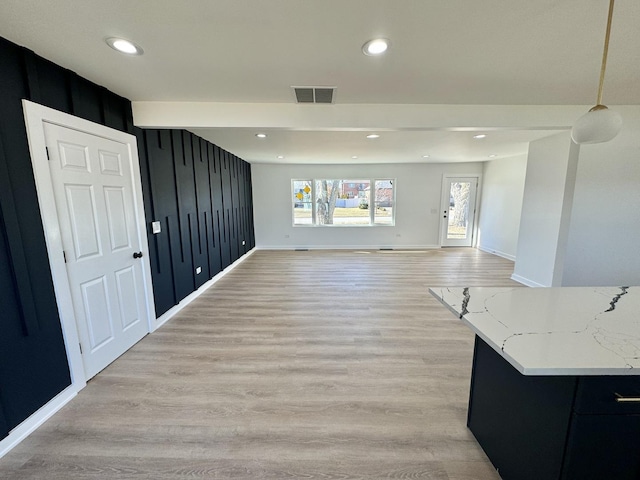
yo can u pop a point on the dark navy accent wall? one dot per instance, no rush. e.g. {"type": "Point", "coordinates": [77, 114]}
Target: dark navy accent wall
{"type": "Point", "coordinates": [192, 184]}
{"type": "Point", "coordinates": [249, 195]}
{"type": "Point", "coordinates": [217, 213]}
{"type": "Point", "coordinates": [33, 363]}
{"type": "Point", "coordinates": [187, 186]}
{"type": "Point", "coordinates": [201, 246]}
{"type": "Point", "coordinates": [227, 238]}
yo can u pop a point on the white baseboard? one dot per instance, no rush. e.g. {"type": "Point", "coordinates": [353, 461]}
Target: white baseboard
{"type": "Point", "coordinates": [498, 253]}
{"type": "Point", "coordinates": [348, 247]}
{"type": "Point", "coordinates": [56, 403]}
{"type": "Point", "coordinates": [36, 419]}
{"type": "Point", "coordinates": [166, 316]}
{"type": "Point", "coordinates": [526, 281]}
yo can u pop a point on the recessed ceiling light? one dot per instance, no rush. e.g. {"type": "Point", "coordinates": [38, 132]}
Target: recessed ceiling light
{"type": "Point", "coordinates": [425, 156]}
{"type": "Point", "coordinates": [480, 135]}
{"type": "Point", "coordinates": [261, 135]}
{"type": "Point", "coordinates": [374, 47]}
{"type": "Point", "coordinates": [281, 156]}
{"type": "Point", "coordinates": [373, 135]}
{"type": "Point", "coordinates": [124, 46]}
{"type": "Point", "coordinates": [354, 156]}
{"type": "Point", "coordinates": [493, 155]}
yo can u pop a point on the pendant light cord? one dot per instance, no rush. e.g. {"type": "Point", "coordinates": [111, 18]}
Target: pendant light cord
{"type": "Point", "coordinates": [604, 53]}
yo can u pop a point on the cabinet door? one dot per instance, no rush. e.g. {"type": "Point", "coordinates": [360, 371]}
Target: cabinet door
{"type": "Point", "coordinates": [603, 446]}
{"type": "Point", "coordinates": [599, 395]}
{"type": "Point", "coordinates": [520, 421]}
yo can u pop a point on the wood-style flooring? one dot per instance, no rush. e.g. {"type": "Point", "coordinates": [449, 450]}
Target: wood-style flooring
{"type": "Point", "coordinates": [295, 365]}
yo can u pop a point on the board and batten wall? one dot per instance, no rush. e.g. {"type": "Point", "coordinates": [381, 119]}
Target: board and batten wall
{"type": "Point", "coordinates": [501, 205]}
{"type": "Point", "coordinates": [33, 363]}
{"type": "Point", "coordinates": [418, 190]}
{"type": "Point", "coordinates": [200, 193]}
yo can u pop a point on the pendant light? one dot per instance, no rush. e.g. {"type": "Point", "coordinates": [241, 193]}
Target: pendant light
{"type": "Point", "coordinates": [599, 124]}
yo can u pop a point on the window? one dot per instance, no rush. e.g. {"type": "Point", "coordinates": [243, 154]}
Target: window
{"type": "Point", "coordinates": [383, 202]}
{"type": "Point", "coordinates": [302, 202]}
{"type": "Point", "coordinates": [331, 202]}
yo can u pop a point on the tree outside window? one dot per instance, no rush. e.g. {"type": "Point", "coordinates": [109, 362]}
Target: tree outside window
{"type": "Point", "coordinates": [331, 202]}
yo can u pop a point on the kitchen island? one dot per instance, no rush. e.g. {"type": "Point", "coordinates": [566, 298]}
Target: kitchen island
{"type": "Point", "coordinates": [555, 387]}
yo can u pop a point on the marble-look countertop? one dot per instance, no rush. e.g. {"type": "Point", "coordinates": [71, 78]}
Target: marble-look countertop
{"type": "Point", "coordinates": [554, 331]}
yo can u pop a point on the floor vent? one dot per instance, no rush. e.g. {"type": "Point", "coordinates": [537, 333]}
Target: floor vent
{"type": "Point", "coordinates": [318, 95]}
{"type": "Point", "coordinates": [301, 250]}
{"type": "Point", "coordinates": [386, 249]}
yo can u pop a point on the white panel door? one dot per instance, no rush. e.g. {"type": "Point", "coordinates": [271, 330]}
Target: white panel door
{"type": "Point", "coordinates": [93, 188]}
{"type": "Point", "coordinates": [458, 211]}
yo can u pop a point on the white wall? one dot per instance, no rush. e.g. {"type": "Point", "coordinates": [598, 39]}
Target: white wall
{"type": "Point", "coordinates": [603, 246]}
{"type": "Point", "coordinates": [546, 209]}
{"type": "Point", "coordinates": [501, 205]}
{"type": "Point", "coordinates": [418, 194]}
{"type": "Point", "coordinates": [580, 220]}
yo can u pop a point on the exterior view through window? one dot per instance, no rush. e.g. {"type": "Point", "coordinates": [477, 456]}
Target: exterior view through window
{"type": "Point", "coordinates": [458, 210]}
{"type": "Point", "coordinates": [343, 202]}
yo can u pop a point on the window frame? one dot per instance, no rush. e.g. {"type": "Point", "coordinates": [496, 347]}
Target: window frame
{"type": "Point", "coordinates": [375, 202]}
{"type": "Point", "coordinates": [293, 202]}
{"type": "Point", "coordinates": [372, 182]}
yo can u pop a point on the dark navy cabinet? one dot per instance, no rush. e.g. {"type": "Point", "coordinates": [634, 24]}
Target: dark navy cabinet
{"type": "Point", "coordinates": [554, 427]}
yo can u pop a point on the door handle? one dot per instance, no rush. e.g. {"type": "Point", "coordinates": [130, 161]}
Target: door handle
{"type": "Point", "coordinates": [137, 254]}
{"type": "Point", "coordinates": [623, 399]}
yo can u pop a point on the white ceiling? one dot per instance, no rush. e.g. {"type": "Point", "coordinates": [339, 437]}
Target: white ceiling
{"type": "Point", "coordinates": [453, 52]}
{"type": "Point", "coordinates": [341, 146]}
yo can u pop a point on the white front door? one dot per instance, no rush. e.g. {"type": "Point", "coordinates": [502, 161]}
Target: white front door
{"type": "Point", "coordinates": [458, 211]}
{"type": "Point", "coordinates": [96, 205]}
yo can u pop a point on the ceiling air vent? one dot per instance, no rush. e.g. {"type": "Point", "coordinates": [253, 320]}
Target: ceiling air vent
{"type": "Point", "coordinates": [314, 94]}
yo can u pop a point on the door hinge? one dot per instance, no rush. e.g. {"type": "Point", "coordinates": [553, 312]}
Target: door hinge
{"type": "Point", "coordinates": [80, 345]}
{"type": "Point", "coordinates": [64, 254]}
{"type": "Point", "coordinates": [47, 149]}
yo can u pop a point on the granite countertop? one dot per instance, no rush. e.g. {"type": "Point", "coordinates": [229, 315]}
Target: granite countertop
{"type": "Point", "coordinates": [554, 331]}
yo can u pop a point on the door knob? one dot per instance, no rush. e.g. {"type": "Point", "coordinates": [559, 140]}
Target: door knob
{"type": "Point", "coordinates": [137, 254]}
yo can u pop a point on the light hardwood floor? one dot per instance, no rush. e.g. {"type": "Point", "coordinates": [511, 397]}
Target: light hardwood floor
{"type": "Point", "coordinates": [310, 365]}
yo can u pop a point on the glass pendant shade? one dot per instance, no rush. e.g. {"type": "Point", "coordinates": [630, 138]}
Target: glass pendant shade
{"type": "Point", "coordinates": [596, 126]}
